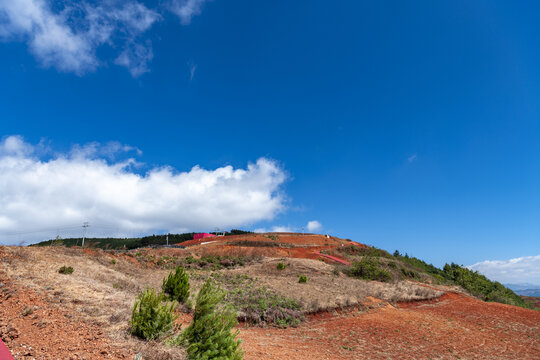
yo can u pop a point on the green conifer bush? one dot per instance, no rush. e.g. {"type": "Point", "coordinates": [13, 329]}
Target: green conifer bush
{"type": "Point", "coordinates": [150, 318]}
{"type": "Point", "coordinates": [210, 334]}
{"type": "Point", "coordinates": [176, 285]}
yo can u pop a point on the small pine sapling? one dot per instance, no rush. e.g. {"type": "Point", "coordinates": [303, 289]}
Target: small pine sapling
{"type": "Point", "coordinates": [176, 285]}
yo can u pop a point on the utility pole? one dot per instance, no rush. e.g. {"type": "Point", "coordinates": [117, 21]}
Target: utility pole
{"type": "Point", "coordinates": [84, 226]}
{"type": "Point", "coordinates": [167, 239]}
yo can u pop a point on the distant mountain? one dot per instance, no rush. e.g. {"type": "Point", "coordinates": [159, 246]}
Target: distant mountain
{"type": "Point", "coordinates": [525, 289]}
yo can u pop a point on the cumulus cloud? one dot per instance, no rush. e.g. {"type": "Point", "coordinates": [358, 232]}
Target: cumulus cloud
{"type": "Point", "coordinates": [314, 225]}
{"type": "Point", "coordinates": [67, 35]}
{"type": "Point", "coordinates": [85, 185]}
{"type": "Point", "coordinates": [186, 9]}
{"type": "Point", "coordinates": [524, 269]}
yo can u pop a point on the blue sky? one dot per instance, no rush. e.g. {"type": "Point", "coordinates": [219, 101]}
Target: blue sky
{"type": "Point", "coordinates": [405, 125]}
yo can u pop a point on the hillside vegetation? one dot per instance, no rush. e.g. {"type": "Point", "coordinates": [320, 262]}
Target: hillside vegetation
{"type": "Point", "coordinates": [370, 263]}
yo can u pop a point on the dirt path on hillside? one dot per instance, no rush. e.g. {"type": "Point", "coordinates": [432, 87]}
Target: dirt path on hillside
{"type": "Point", "coordinates": [452, 327]}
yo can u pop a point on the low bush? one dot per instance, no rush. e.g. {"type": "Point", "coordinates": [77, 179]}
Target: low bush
{"type": "Point", "coordinates": [210, 335]}
{"type": "Point", "coordinates": [368, 269]}
{"type": "Point", "coordinates": [259, 305]}
{"type": "Point", "coordinates": [215, 262]}
{"type": "Point", "coordinates": [66, 270]}
{"type": "Point", "coordinates": [432, 270]}
{"type": "Point", "coordinates": [176, 285]}
{"type": "Point", "coordinates": [273, 237]}
{"type": "Point", "coordinates": [302, 279]}
{"type": "Point", "coordinates": [281, 266]}
{"type": "Point", "coordinates": [408, 273]}
{"type": "Point", "coordinates": [151, 319]}
{"type": "Point", "coordinates": [364, 251]}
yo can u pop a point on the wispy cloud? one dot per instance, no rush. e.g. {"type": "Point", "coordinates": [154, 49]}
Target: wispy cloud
{"type": "Point", "coordinates": [412, 158]}
{"type": "Point", "coordinates": [136, 57]}
{"type": "Point", "coordinates": [192, 69]}
{"type": "Point", "coordinates": [67, 38]}
{"type": "Point", "coordinates": [524, 269]}
{"type": "Point", "coordinates": [66, 35]}
{"type": "Point", "coordinates": [88, 184]}
{"type": "Point", "coordinates": [186, 9]}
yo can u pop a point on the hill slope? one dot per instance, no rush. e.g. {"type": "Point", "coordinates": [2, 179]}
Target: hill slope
{"type": "Point", "coordinates": [338, 313]}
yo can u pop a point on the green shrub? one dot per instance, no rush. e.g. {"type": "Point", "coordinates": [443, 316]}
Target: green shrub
{"type": "Point", "coordinates": [150, 319]}
{"type": "Point", "coordinates": [478, 285]}
{"type": "Point", "coordinates": [368, 269]}
{"type": "Point", "coordinates": [259, 305]}
{"type": "Point", "coordinates": [302, 279]}
{"type": "Point", "coordinates": [210, 334]}
{"type": "Point", "coordinates": [215, 262]}
{"type": "Point", "coordinates": [176, 285]}
{"type": "Point", "coordinates": [432, 270]}
{"type": "Point", "coordinates": [364, 251]}
{"type": "Point", "coordinates": [273, 237]}
{"type": "Point", "coordinates": [281, 266]}
{"type": "Point", "coordinates": [66, 270]}
{"type": "Point", "coordinates": [409, 273]}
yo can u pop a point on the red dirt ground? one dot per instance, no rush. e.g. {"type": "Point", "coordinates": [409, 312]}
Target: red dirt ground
{"type": "Point", "coordinates": [291, 245]}
{"type": "Point", "coordinates": [453, 327]}
{"type": "Point", "coordinates": [282, 238]}
{"type": "Point", "coordinates": [33, 328]}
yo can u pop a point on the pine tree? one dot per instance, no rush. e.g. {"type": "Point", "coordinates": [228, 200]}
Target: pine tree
{"type": "Point", "coordinates": [149, 318]}
{"type": "Point", "coordinates": [210, 336]}
{"type": "Point", "coordinates": [176, 285]}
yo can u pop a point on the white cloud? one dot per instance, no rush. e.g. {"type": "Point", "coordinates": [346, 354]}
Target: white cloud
{"type": "Point", "coordinates": [186, 9]}
{"type": "Point", "coordinates": [276, 228]}
{"type": "Point", "coordinates": [67, 38]}
{"type": "Point", "coordinates": [136, 58]}
{"type": "Point", "coordinates": [282, 229]}
{"type": "Point", "coordinates": [524, 269]}
{"type": "Point", "coordinates": [37, 193]}
{"type": "Point", "coordinates": [314, 225]}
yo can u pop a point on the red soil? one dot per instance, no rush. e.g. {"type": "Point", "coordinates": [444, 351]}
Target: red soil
{"type": "Point", "coordinates": [281, 238]}
{"type": "Point", "coordinates": [455, 326]}
{"type": "Point", "coordinates": [306, 246]}
{"type": "Point", "coordinates": [33, 328]}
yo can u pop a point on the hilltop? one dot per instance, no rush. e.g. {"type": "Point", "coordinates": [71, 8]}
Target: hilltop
{"type": "Point", "coordinates": [356, 301]}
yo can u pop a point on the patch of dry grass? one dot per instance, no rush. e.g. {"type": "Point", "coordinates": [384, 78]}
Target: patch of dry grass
{"type": "Point", "coordinates": [326, 290]}
{"type": "Point", "coordinates": [98, 291]}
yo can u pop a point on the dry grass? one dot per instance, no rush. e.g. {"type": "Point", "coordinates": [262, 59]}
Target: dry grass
{"type": "Point", "coordinates": [102, 291]}
{"type": "Point", "coordinates": [98, 290]}
{"type": "Point", "coordinates": [326, 291]}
